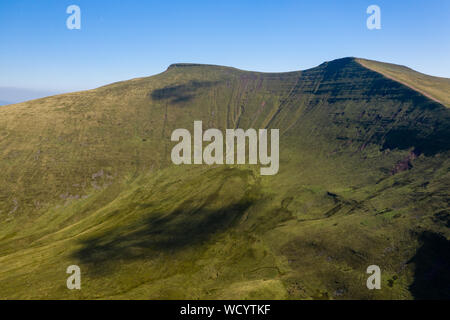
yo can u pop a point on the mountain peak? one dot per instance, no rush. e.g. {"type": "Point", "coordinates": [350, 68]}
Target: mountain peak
{"type": "Point", "coordinates": [187, 65]}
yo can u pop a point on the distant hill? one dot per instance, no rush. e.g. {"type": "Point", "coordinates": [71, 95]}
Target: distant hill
{"type": "Point", "coordinates": [9, 95]}
{"type": "Point", "coordinates": [86, 179]}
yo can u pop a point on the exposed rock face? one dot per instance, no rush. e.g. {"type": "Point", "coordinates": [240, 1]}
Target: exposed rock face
{"type": "Point", "coordinates": [404, 164]}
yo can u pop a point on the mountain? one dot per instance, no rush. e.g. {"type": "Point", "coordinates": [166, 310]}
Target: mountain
{"type": "Point", "coordinates": [86, 179]}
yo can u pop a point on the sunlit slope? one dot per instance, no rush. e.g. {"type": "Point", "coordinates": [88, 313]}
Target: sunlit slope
{"type": "Point", "coordinates": [435, 88]}
{"type": "Point", "coordinates": [86, 179]}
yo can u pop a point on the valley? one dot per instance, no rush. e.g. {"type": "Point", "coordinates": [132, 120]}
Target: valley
{"type": "Point", "coordinates": [87, 179]}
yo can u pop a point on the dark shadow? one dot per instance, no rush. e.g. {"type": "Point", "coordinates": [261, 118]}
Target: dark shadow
{"type": "Point", "coordinates": [432, 266]}
{"type": "Point", "coordinates": [181, 93]}
{"type": "Point", "coordinates": [429, 144]}
{"type": "Point", "coordinates": [443, 217]}
{"type": "Point", "coordinates": [158, 234]}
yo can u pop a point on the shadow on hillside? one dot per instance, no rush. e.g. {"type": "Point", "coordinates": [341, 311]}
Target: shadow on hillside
{"type": "Point", "coordinates": [158, 234]}
{"type": "Point", "coordinates": [436, 142]}
{"type": "Point", "coordinates": [432, 265]}
{"type": "Point", "coordinates": [182, 92]}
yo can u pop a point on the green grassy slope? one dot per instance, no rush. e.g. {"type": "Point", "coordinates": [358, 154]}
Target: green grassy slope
{"type": "Point", "coordinates": [86, 179]}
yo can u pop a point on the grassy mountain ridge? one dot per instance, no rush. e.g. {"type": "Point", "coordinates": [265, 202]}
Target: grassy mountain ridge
{"type": "Point", "coordinates": [436, 88]}
{"type": "Point", "coordinates": [87, 180]}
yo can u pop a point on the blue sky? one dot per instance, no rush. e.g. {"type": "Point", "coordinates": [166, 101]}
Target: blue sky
{"type": "Point", "coordinates": [120, 40]}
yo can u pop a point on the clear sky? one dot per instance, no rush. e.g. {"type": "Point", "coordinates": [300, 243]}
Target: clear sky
{"type": "Point", "coordinates": [119, 40]}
